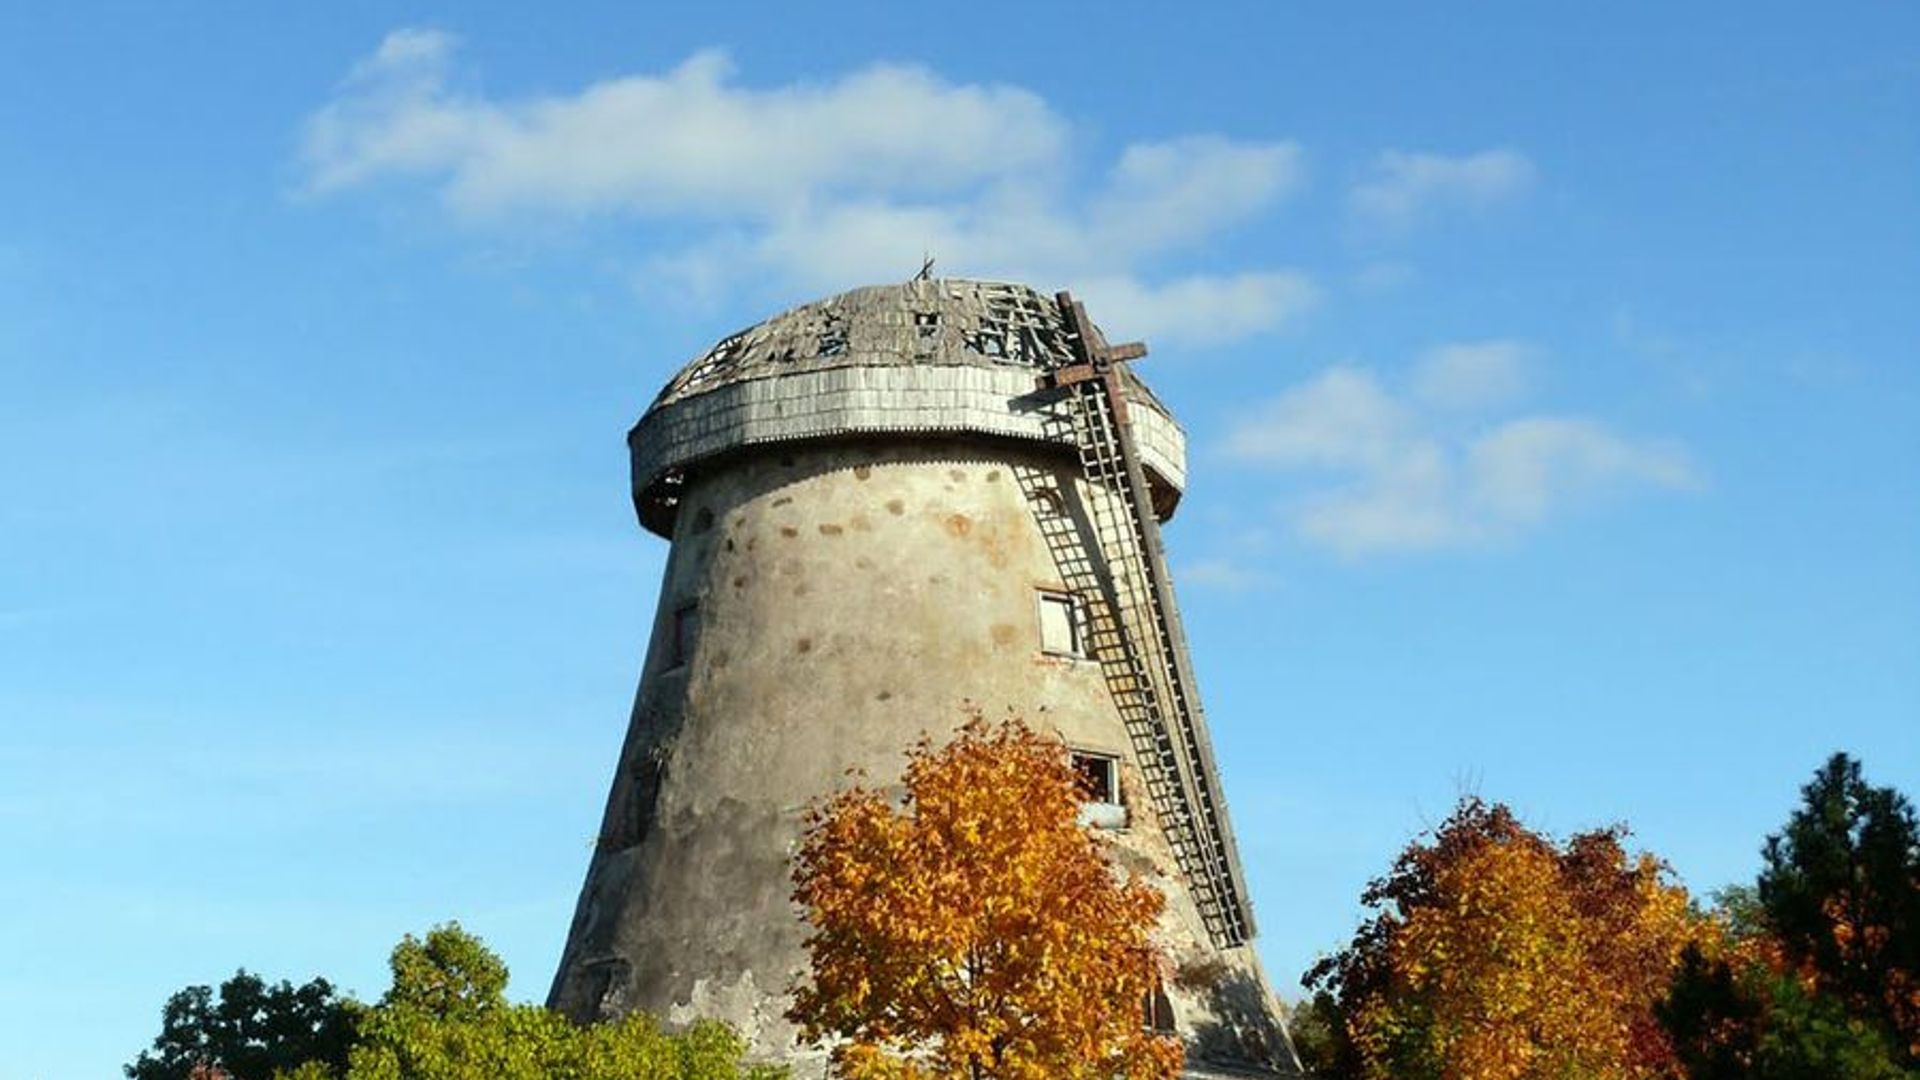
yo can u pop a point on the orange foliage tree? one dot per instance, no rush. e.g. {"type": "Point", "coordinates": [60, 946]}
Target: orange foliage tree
{"type": "Point", "coordinates": [1496, 954]}
{"type": "Point", "coordinates": [976, 930]}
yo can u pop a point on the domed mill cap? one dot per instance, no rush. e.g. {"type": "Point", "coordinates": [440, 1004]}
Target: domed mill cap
{"type": "Point", "coordinates": [928, 357]}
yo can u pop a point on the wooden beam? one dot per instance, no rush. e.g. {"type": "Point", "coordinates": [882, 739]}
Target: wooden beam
{"type": "Point", "coordinates": [1069, 375]}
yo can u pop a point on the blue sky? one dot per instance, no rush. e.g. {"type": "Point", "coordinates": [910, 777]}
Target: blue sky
{"type": "Point", "coordinates": [1549, 378]}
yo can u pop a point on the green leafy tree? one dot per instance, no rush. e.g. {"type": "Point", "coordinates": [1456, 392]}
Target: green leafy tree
{"type": "Point", "coordinates": [249, 1031]}
{"type": "Point", "coordinates": [1734, 1020]}
{"type": "Point", "coordinates": [1738, 909]}
{"type": "Point", "coordinates": [1841, 893]}
{"type": "Point", "coordinates": [1815, 974]}
{"type": "Point", "coordinates": [446, 1017]}
{"type": "Point", "coordinates": [1319, 1033]}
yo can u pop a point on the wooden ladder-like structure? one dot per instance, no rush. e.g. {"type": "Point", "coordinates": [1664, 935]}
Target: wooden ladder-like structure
{"type": "Point", "coordinates": [1138, 638]}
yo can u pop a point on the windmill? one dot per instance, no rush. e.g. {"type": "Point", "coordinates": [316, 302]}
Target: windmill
{"type": "Point", "coordinates": [880, 505]}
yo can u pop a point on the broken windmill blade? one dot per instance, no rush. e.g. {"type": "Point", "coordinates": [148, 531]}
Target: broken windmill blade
{"type": "Point", "coordinates": [1147, 632]}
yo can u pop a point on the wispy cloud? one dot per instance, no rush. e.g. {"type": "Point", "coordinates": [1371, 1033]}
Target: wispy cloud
{"type": "Point", "coordinates": [1401, 188]}
{"type": "Point", "coordinates": [1386, 469]}
{"type": "Point", "coordinates": [820, 184]}
{"type": "Point", "coordinates": [1230, 574]}
{"type": "Point", "coordinates": [1472, 374]}
{"type": "Point", "coordinates": [1203, 310]}
{"type": "Point", "coordinates": [1676, 363]}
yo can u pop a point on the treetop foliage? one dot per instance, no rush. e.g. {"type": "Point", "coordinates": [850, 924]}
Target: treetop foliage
{"type": "Point", "coordinates": [978, 930]}
{"type": "Point", "coordinates": [448, 974]}
{"type": "Point", "coordinates": [1817, 978]}
{"type": "Point", "coordinates": [1494, 952]}
{"type": "Point", "coordinates": [1841, 893]}
{"type": "Point", "coordinates": [251, 1030]}
{"type": "Point", "coordinates": [446, 1017]}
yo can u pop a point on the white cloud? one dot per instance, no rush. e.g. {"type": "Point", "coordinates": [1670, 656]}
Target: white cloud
{"type": "Point", "coordinates": [1407, 503]}
{"type": "Point", "coordinates": [1200, 310]}
{"type": "Point", "coordinates": [1472, 374]}
{"type": "Point", "coordinates": [823, 185]}
{"type": "Point", "coordinates": [683, 141]}
{"type": "Point", "coordinates": [1520, 469]}
{"type": "Point", "coordinates": [1161, 194]}
{"type": "Point", "coordinates": [1342, 419]}
{"type": "Point", "coordinates": [1403, 479]}
{"type": "Point", "coordinates": [407, 49]}
{"type": "Point", "coordinates": [1403, 187]}
{"type": "Point", "coordinates": [1224, 573]}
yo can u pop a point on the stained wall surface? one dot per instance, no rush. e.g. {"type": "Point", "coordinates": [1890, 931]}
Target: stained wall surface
{"type": "Point", "coordinates": [825, 604]}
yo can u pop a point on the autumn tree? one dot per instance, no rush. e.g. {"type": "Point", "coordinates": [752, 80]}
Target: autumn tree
{"type": "Point", "coordinates": [975, 930]}
{"type": "Point", "coordinates": [1494, 952]}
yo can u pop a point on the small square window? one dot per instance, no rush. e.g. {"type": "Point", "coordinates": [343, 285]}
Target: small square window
{"type": "Point", "coordinates": [1062, 630]}
{"type": "Point", "coordinates": [686, 628]}
{"type": "Point", "coordinates": [1100, 790]}
{"type": "Point", "coordinates": [1099, 777]}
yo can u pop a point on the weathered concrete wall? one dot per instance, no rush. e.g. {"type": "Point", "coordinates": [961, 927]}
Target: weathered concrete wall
{"type": "Point", "coordinates": [850, 597]}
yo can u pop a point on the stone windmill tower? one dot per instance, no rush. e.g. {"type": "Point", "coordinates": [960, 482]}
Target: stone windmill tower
{"type": "Point", "coordinates": [880, 505]}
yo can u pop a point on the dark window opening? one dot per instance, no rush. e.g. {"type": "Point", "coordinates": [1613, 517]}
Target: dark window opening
{"type": "Point", "coordinates": [642, 803]}
{"type": "Point", "coordinates": [686, 628]}
{"type": "Point", "coordinates": [608, 980]}
{"type": "Point", "coordinates": [1099, 777]}
{"type": "Point", "coordinates": [1158, 1011]}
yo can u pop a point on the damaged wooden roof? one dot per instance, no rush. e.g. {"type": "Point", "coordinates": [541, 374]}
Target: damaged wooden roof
{"type": "Point", "coordinates": [932, 357]}
{"type": "Point", "coordinates": [936, 322]}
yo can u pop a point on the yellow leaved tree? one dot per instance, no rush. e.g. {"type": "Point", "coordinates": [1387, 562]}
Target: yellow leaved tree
{"type": "Point", "coordinates": [975, 931]}
{"type": "Point", "coordinates": [1497, 954]}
